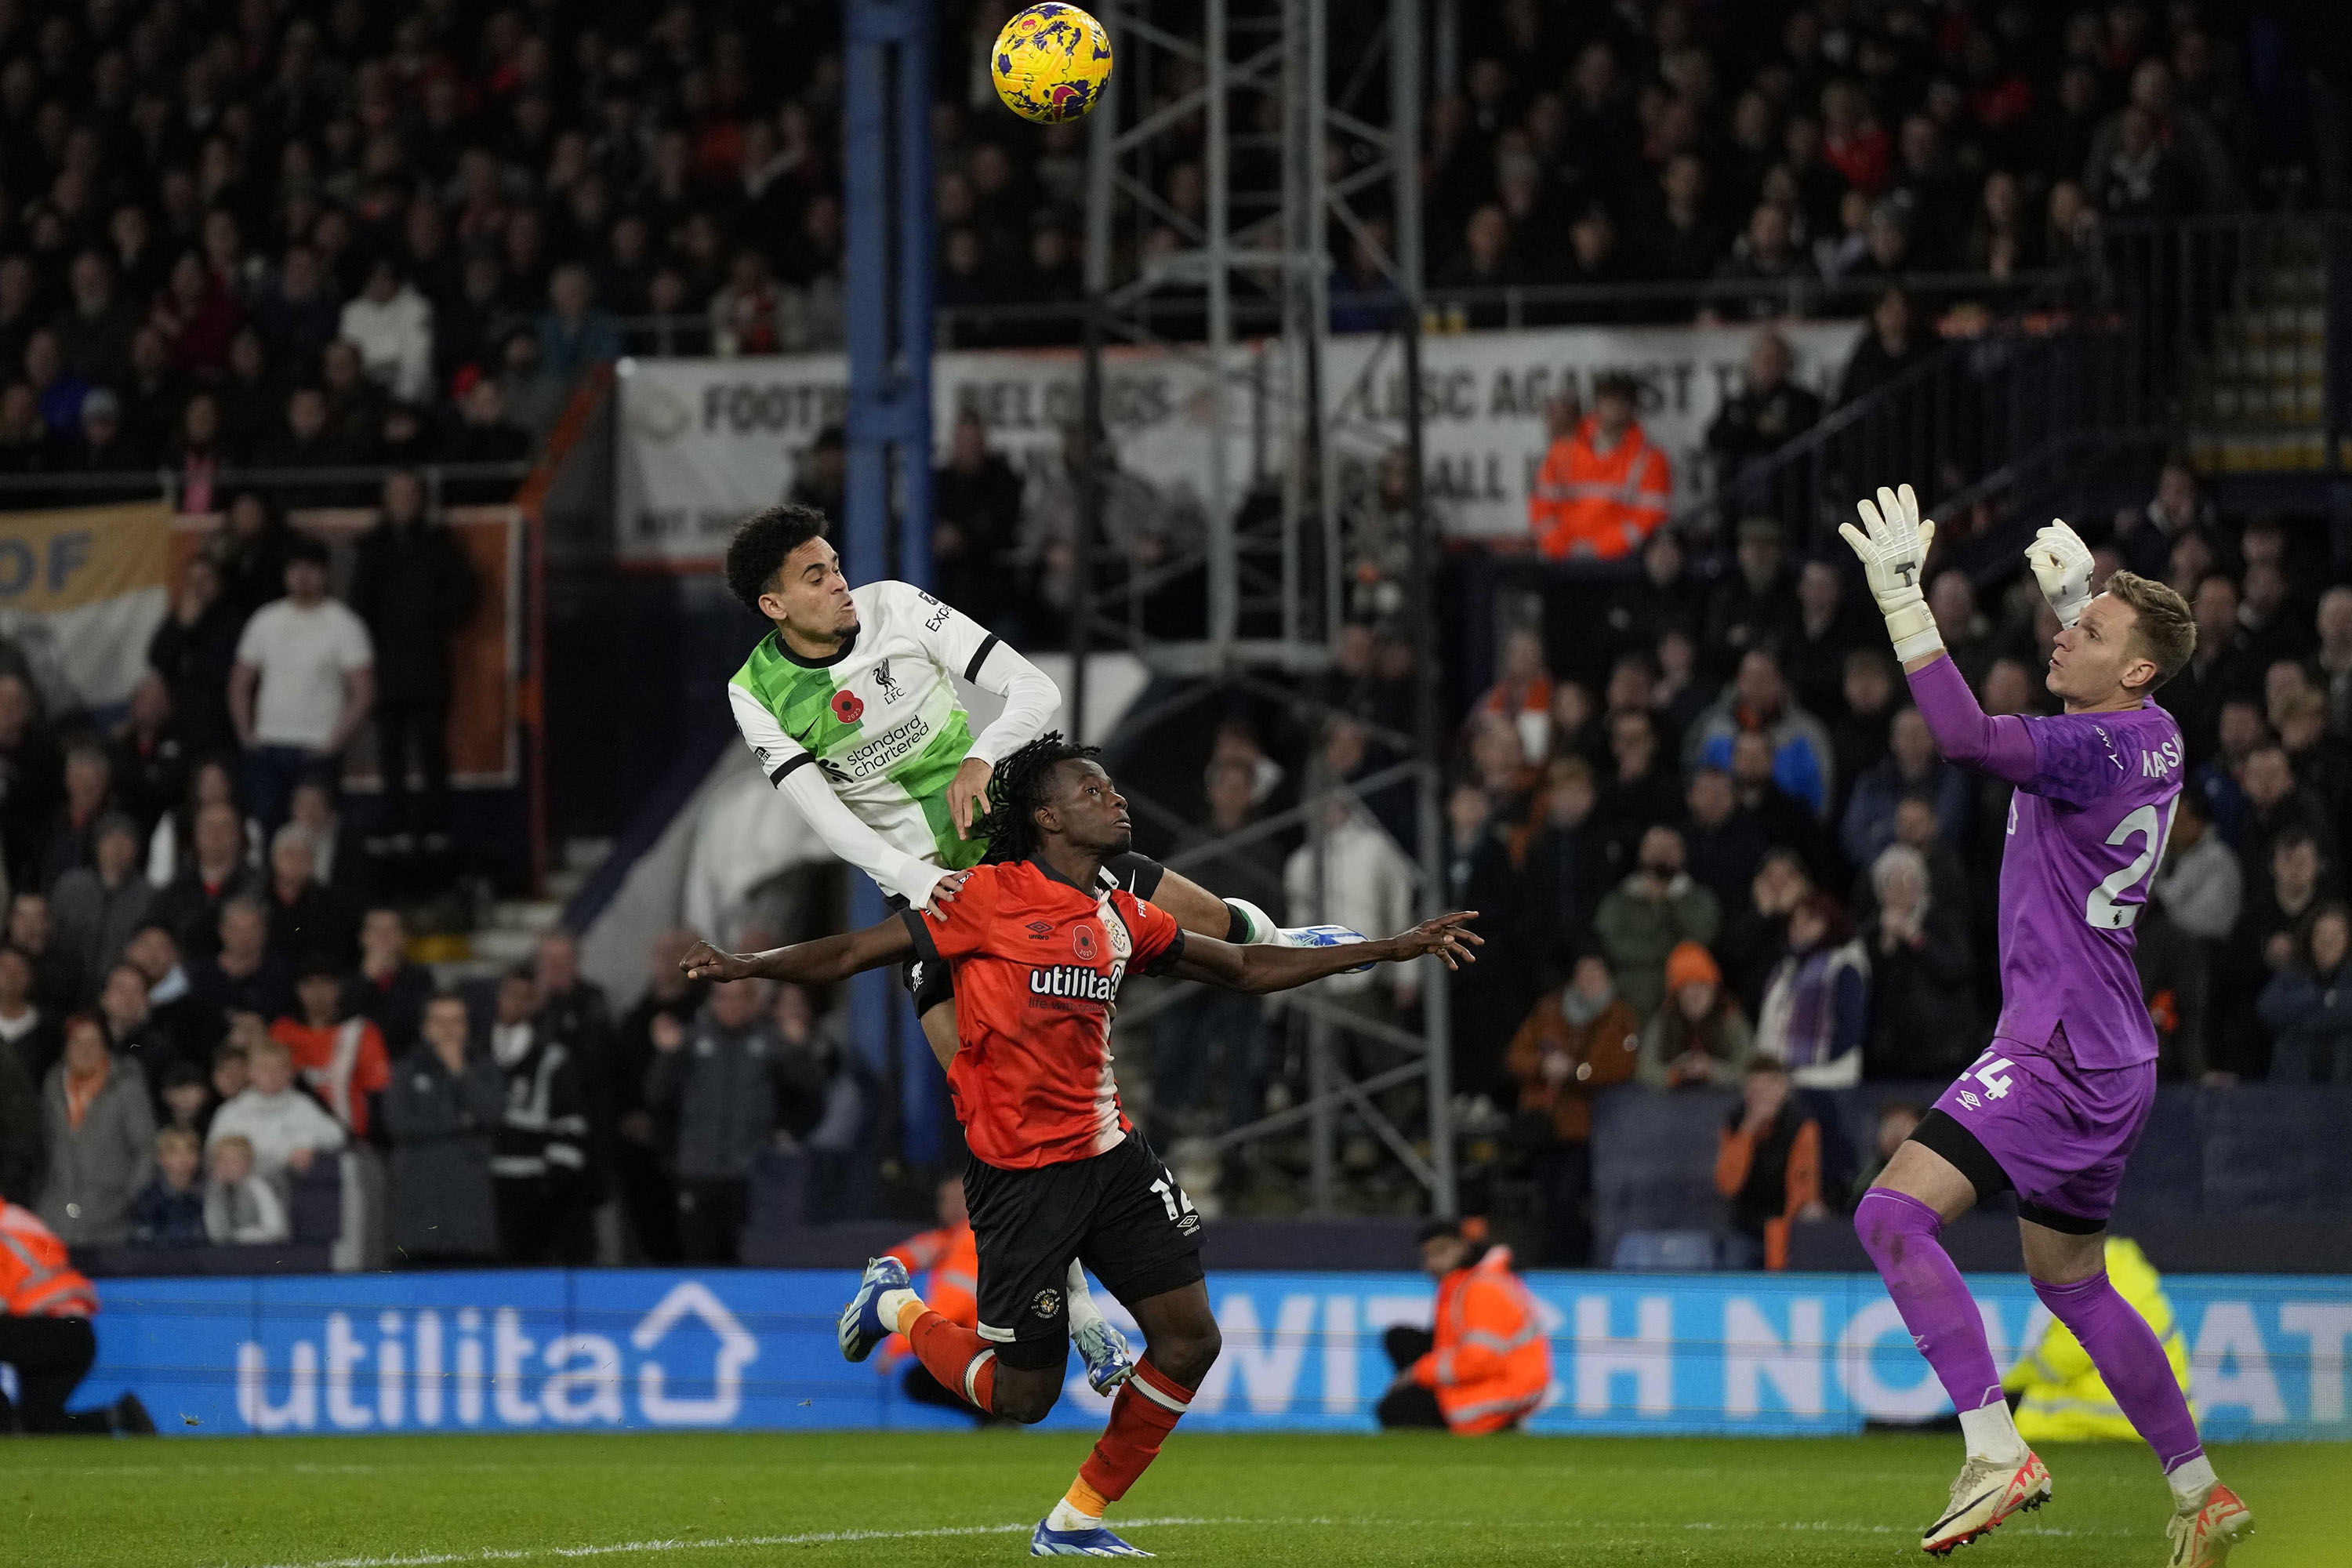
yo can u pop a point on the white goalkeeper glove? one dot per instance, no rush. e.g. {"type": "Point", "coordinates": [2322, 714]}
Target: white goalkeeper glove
{"type": "Point", "coordinates": [1259, 930]}
{"type": "Point", "coordinates": [2062, 564]}
{"type": "Point", "coordinates": [1892, 542]}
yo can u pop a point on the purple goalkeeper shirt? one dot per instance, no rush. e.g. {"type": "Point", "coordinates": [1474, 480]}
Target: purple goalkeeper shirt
{"type": "Point", "coordinates": [2095, 794]}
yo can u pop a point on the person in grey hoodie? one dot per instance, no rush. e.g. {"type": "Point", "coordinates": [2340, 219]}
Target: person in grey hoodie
{"type": "Point", "coordinates": [95, 910]}
{"type": "Point", "coordinates": [719, 1074]}
{"type": "Point", "coordinates": [100, 1131]}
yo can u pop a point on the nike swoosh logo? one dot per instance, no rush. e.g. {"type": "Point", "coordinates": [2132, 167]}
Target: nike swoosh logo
{"type": "Point", "coordinates": [1961, 1509]}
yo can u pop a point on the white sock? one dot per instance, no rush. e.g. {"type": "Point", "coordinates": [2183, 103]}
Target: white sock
{"type": "Point", "coordinates": [2190, 1479]}
{"type": "Point", "coordinates": [1082, 1310]}
{"type": "Point", "coordinates": [1991, 1434]}
{"type": "Point", "coordinates": [1065, 1517]}
{"type": "Point", "coordinates": [894, 1303]}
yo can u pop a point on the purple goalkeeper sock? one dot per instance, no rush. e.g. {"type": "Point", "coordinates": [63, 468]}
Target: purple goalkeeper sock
{"type": "Point", "coordinates": [2131, 1362]}
{"type": "Point", "coordinates": [1900, 1233]}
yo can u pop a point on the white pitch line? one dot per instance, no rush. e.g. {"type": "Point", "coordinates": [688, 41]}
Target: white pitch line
{"type": "Point", "coordinates": [835, 1536]}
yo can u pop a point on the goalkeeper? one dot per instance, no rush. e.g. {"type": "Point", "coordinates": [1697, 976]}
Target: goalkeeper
{"type": "Point", "coordinates": [2057, 1393]}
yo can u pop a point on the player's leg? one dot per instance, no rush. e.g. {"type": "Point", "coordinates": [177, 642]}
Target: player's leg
{"type": "Point", "coordinates": [1099, 1343]}
{"type": "Point", "coordinates": [2066, 1258]}
{"type": "Point", "coordinates": [1145, 1245]}
{"type": "Point", "coordinates": [1941, 1173]}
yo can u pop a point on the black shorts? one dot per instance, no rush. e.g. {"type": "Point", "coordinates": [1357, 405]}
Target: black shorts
{"type": "Point", "coordinates": [931, 983]}
{"type": "Point", "coordinates": [1119, 1213]}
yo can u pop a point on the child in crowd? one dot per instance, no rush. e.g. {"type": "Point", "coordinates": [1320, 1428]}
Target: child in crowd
{"type": "Point", "coordinates": [188, 1101]}
{"type": "Point", "coordinates": [170, 1209]}
{"type": "Point", "coordinates": [240, 1207]}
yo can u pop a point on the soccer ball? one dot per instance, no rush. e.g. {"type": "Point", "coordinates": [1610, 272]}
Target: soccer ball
{"type": "Point", "coordinates": [1050, 63]}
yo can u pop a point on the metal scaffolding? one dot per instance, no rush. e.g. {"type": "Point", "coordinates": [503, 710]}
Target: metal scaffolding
{"type": "Point", "coordinates": [1303, 137]}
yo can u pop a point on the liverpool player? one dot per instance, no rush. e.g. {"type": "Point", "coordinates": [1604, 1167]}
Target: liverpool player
{"type": "Point", "coordinates": [2053, 1107]}
{"type": "Point", "coordinates": [1039, 939]}
{"type": "Point", "coordinates": [849, 703]}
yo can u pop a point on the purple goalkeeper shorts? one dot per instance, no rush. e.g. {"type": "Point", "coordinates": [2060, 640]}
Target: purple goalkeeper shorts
{"type": "Point", "coordinates": [2059, 1132]}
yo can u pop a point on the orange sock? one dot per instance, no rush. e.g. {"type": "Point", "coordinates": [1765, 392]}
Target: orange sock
{"type": "Point", "coordinates": [962, 1361]}
{"type": "Point", "coordinates": [1146, 1409]}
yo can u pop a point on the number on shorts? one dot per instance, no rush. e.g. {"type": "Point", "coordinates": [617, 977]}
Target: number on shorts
{"type": "Point", "coordinates": [1993, 1075]}
{"type": "Point", "coordinates": [2100, 910]}
{"type": "Point", "coordinates": [1172, 1197]}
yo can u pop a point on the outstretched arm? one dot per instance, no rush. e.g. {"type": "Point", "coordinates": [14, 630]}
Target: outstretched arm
{"type": "Point", "coordinates": [1262, 969]}
{"type": "Point", "coordinates": [1964, 731]}
{"type": "Point", "coordinates": [819, 963]}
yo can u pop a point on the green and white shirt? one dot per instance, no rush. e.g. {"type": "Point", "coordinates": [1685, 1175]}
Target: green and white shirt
{"type": "Point", "coordinates": [867, 741]}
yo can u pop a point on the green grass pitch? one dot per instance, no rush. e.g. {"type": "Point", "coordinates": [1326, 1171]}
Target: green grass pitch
{"type": "Point", "coordinates": [708, 1501]}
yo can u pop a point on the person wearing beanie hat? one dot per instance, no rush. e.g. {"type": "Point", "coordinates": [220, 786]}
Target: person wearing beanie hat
{"type": "Point", "coordinates": [1699, 1036]}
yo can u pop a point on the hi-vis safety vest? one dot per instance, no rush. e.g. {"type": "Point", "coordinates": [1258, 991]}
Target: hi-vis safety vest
{"type": "Point", "coordinates": [1491, 1363]}
{"type": "Point", "coordinates": [1596, 506]}
{"type": "Point", "coordinates": [36, 1279]}
{"type": "Point", "coordinates": [2065, 1400]}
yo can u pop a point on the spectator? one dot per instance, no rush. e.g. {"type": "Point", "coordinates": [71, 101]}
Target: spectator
{"type": "Point", "coordinates": [2308, 1005]}
{"type": "Point", "coordinates": [647, 1136]}
{"type": "Point", "coordinates": [1758, 701]}
{"type": "Point", "coordinates": [2146, 534]}
{"type": "Point", "coordinates": [1699, 1037]}
{"type": "Point", "coordinates": [149, 761]}
{"type": "Point", "coordinates": [170, 1209]}
{"type": "Point", "coordinates": [392, 325]}
{"type": "Point", "coordinates": [1485, 1364]}
{"type": "Point", "coordinates": [483, 434]}
{"type": "Point", "coordinates": [311, 661]}
{"type": "Point", "coordinates": [2331, 666]}
{"type": "Point", "coordinates": [719, 1074]}
{"type": "Point", "coordinates": [2277, 803]}
{"type": "Point", "coordinates": [412, 588]}
{"type": "Point", "coordinates": [131, 1032]}
{"type": "Point", "coordinates": [575, 332]}
{"type": "Point", "coordinates": [340, 1059]}
{"type": "Point", "coordinates": [32, 771]}
{"type": "Point", "coordinates": [29, 930]}
{"type": "Point", "coordinates": [1725, 845]}
{"type": "Point", "coordinates": [188, 1098]}
{"type": "Point", "coordinates": [242, 1207]}
{"type": "Point", "coordinates": [2200, 884]}
{"type": "Point", "coordinates": [1860, 737]}
{"type": "Point", "coordinates": [170, 997]}
{"type": "Point", "coordinates": [1479, 876]}
{"type": "Point", "coordinates": [98, 908]}
{"type": "Point", "coordinates": [308, 923]}
{"type": "Point", "coordinates": [1911, 769]}
{"type": "Point", "coordinates": [1923, 1018]}
{"type": "Point", "coordinates": [1819, 648]}
{"type": "Point", "coordinates": [100, 1136]}
{"type": "Point", "coordinates": [216, 873]}
{"type": "Point", "coordinates": [1817, 1004]}
{"type": "Point", "coordinates": [1205, 1024]}
{"type": "Point", "coordinates": [89, 791]}
{"type": "Point", "coordinates": [539, 1157]}
{"type": "Point", "coordinates": [2215, 671]}
{"type": "Point", "coordinates": [1603, 489]}
{"type": "Point", "coordinates": [1896, 1120]}
{"type": "Point", "coordinates": [442, 1108]}
{"type": "Point", "coordinates": [1638, 611]}
{"type": "Point", "coordinates": [31, 1031]}
{"type": "Point", "coordinates": [1768, 1162]}
{"type": "Point", "coordinates": [1892, 346]}
{"type": "Point", "coordinates": [1652, 915]}
{"type": "Point", "coordinates": [1640, 790]}
{"type": "Point", "coordinates": [1567, 866]}
{"type": "Point", "coordinates": [1360, 879]}
{"type": "Point", "coordinates": [975, 518]}
{"type": "Point", "coordinates": [1574, 1043]}
{"type": "Point", "coordinates": [193, 650]}
{"type": "Point", "coordinates": [287, 1128]}
{"type": "Point", "coordinates": [388, 988]}
{"type": "Point", "coordinates": [23, 1162]}
{"type": "Point", "coordinates": [254, 547]}
{"type": "Point", "coordinates": [2321, 763]}
{"type": "Point", "coordinates": [243, 974]}
{"type": "Point", "coordinates": [1521, 695]}
{"type": "Point", "coordinates": [1754, 606]}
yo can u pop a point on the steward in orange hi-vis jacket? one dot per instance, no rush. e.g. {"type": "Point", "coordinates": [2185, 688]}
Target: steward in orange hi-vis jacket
{"type": "Point", "coordinates": [1603, 489]}
{"type": "Point", "coordinates": [45, 1333]}
{"type": "Point", "coordinates": [1486, 1364]}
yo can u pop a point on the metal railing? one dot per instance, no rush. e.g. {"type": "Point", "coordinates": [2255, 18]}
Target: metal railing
{"type": "Point", "coordinates": [1178, 320]}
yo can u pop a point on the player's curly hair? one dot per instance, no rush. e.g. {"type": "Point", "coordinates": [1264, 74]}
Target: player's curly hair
{"type": "Point", "coordinates": [757, 551]}
{"type": "Point", "coordinates": [1017, 789]}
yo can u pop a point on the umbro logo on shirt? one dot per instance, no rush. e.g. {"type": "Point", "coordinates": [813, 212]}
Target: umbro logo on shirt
{"type": "Point", "coordinates": [1039, 930]}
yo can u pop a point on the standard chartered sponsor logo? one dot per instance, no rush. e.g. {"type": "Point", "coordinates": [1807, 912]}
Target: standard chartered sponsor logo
{"type": "Point", "coordinates": [901, 739]}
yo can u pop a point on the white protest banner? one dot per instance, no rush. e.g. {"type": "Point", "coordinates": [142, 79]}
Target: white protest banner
{"type": "Point", "coordinates": [82, 590]}
{"type": "Point", "coordinates": [1484, 395]}
{"type": "Point", "coordinates": [704, 441]}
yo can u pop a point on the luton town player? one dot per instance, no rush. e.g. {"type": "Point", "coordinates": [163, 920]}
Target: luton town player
{"type": "Point", "coordinates": [849, 703]}
{"type": "Point", "coordinates": [1038, 940]}
{"type": "Point", "coordinates": [2053, 1108]}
